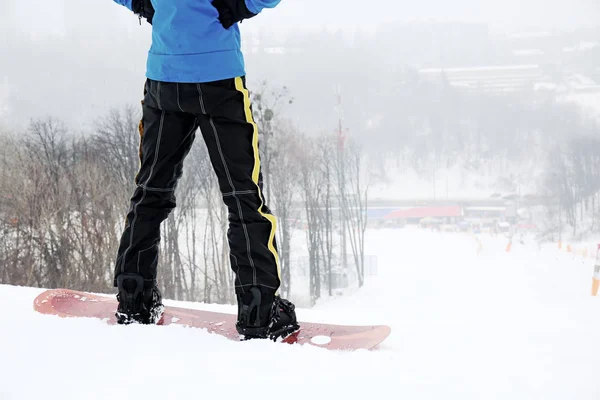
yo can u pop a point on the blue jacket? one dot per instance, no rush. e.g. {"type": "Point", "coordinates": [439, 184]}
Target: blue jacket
{"type": "Point", "coordinates": [189, 44]}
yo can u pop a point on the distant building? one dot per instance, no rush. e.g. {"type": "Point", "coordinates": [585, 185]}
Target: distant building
{"type": "Point", "coordinates": [415, 215]}
{"type": "Point", "coordinates": [508, 78]}
{"type": "Point", "coordinates": [485, 212]}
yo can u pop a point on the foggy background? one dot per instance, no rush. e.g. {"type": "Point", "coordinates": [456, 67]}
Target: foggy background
{"type": "Point", "coordinates": [433, 165]}
{"type": "Point", "coordinates": [75, 59]}
{"type": "Point", "coordinates": [483, 115]}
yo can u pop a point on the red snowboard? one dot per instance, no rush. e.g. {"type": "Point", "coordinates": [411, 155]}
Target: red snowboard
{"type": "Point", "coordinates": [69, 303]}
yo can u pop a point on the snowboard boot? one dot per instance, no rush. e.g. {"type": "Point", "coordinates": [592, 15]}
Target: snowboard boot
{"type": "Point", "coordinates": [137, 304]}
{"type": "Point", "coordinates": [264, 315]}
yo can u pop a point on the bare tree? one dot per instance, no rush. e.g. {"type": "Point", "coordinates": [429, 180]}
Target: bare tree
{"type": "Point", "coordinates": [311, 181]}
{"type": "Point", "coordinates": [265, 109]}
{"type": "Point", "coordinates": [284, 181]}
{"type": "Point", "coordinates": [117, 138]}
{"type": "Point", "coordinates": [352, 193]}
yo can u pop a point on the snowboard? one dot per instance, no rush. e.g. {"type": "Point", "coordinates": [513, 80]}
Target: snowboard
{"type": "Point", "coordinates": [70, 303]}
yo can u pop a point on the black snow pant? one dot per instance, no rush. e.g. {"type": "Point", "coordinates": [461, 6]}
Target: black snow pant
{"type": "Point", "coordinates": [172, 113]}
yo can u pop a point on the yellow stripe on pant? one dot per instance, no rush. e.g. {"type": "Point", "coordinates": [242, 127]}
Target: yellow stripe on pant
{"type": "Point", "coordinates": [239, 85]}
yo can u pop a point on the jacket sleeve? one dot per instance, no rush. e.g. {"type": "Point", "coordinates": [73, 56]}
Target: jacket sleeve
{"type": "Point", "coordinates": [126, 3]}
{"type": "Point", "coordinates": [256, 6]}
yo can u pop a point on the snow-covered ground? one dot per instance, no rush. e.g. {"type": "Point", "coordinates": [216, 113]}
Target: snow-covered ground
{"type": "Point", "coordinates": [447, 184]}
{"type": "Point", "coordinates": [462, 181]}
{"type": "Point", "coordinates": [590, 102]}
{"type": "Point", "coordinates": [465, 325]}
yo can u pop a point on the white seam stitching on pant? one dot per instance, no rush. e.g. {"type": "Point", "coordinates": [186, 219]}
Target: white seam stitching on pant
{"type": "Point", "coordinates": [162, 119]}
{"type": "Point", "coordinates": [245, 228]}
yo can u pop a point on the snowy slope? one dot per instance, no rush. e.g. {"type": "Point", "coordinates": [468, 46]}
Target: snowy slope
{"type": "Point", "coordinates": [590, 102]}
{"type": "Point", "coordinates": [494, 325]}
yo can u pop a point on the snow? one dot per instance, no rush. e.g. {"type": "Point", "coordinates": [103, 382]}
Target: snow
{"type": "Point", "coordinates": [590, 102]}
{"type": "Point", "coordinates": [4, 97]}
{"type": "Point", "coordinates": [530, 35]}
{"type": "Point", "coordinates": [450, 184]}
{"type": "Point", "coordinates": [466, 324]}
{"type": "Point", "coordinates": [528, 52]}
{"type": "Point", "coordinates": [581, 46]}
{"type": "Point", "coordinates": [456, 183]}
{"type": "Point", "coordinates": [490, 68]}
{"type": "Point", "coordinates": [545, 86]}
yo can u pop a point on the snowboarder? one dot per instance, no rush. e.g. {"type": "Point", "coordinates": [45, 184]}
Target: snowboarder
{"type": "Point", "coordinates": [195, 79]}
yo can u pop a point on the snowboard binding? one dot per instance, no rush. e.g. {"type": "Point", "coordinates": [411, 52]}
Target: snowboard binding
{"type": "Point", "coordinates": [265, 316]}
{"type": "Point", "coordinates": [136, 303]}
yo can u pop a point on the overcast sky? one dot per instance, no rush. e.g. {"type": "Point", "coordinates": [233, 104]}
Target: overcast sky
{"type": "Point", "coordinates": [56, 15]}
{"type": "Point", "coordinates": [100, 53]}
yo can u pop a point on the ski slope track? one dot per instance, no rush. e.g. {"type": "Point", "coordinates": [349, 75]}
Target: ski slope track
{"type": "Point", "coordinates": [466, 324]}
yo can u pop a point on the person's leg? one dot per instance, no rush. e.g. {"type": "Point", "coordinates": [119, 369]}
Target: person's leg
{"type": "Point", "coordinates": [231, 136]}
{"type": "Point", "coordinates": [166, 136]}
